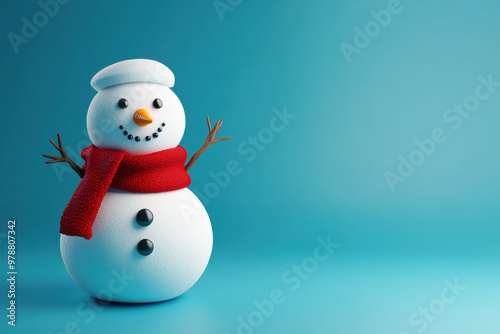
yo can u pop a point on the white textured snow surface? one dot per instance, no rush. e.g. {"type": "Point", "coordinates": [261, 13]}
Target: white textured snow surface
{"type": "Point", "coordinates": [109, 267]}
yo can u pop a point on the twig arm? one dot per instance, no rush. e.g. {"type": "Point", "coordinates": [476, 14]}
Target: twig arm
{"type": "Point", "coordinates": [209, 141]}
{"type": "Point", "coordinates": [196, 156]}
{"type": "Point", "coordinates": [63, 158]}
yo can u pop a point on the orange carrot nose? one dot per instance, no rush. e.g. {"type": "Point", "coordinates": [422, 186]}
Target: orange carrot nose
{"type": "Point", "coordinates": [142, 117]}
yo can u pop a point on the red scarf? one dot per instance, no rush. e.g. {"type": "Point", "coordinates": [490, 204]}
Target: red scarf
{"type": "Point", "coordinates": [149, 173]}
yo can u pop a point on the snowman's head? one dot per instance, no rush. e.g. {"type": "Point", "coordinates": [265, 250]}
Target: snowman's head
{"type": "Point", "coordinates": [134, 109]}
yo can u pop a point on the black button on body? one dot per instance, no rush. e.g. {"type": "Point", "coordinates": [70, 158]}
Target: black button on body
{"type": "Point", "coordinates": [145, 247]}
{"type": "Point", "coordinates": [144, 217]}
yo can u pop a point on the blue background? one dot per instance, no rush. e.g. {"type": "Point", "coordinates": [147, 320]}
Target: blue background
{"type": "Point", "coordinates": [322, 175]}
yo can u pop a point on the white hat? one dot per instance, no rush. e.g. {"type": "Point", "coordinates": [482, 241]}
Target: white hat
{"type": "Point", "coordinates": [133, 70]}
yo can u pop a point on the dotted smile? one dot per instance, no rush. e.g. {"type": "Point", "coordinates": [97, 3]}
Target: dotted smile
{"type": "Point", "coordinates": [137, 138]}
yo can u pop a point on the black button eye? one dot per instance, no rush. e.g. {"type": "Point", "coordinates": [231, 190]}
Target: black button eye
{"type": "Point", "coordinates": [122, 103]}
{"type": "Point", "coordinates": [157, 103]}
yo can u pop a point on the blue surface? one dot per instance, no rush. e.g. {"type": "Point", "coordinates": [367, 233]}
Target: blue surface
{"type": "Point", "coordinates": [321, 174]}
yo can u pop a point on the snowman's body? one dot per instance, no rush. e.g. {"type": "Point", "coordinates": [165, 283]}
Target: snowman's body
{"type": "Point", "coordinates": [136, 112]}
{"type": "Point", "coordinates": [108, 265]}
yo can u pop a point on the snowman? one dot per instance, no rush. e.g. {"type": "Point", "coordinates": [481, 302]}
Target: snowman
{"type": "Point", "coordinates": [125, 234]}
